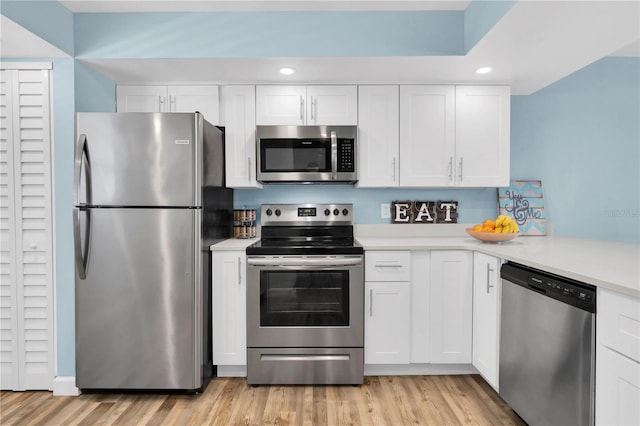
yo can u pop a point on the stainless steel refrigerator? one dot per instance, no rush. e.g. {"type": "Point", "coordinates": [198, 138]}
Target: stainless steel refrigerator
{"type": "Point", "coordinates": [149, 199]}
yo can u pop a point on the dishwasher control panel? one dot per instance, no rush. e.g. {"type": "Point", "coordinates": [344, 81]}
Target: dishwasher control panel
{"type": "Point", "coordinates": [564, 289]}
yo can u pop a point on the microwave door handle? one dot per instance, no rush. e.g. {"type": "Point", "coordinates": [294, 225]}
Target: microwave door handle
{"type": "Point", "coordinates": [334, 156]}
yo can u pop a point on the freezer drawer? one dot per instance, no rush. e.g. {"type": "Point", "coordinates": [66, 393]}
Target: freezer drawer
{"type": "Point", "coordinates": [138, 311]}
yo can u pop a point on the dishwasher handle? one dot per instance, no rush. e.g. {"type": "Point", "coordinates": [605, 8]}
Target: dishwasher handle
{"type": "Point", "coordinates": [564, 289]}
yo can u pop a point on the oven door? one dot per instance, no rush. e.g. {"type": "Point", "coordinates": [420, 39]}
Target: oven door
{"type": "Point", "coordinates": [305, 301]}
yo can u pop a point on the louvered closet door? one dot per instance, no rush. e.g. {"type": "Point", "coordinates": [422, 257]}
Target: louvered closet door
{"type": "Point", "coordinates": [26, 258]}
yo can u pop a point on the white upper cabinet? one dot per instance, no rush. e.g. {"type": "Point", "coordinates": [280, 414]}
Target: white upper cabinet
{"type": "Point", "coordinates": [141, 99]}
{"type": "Point", "coordinates": [482, 135]}
{"type": "Point", "coordinates": [427, 135]}
{"type": "Point", "coordinates": [203, 99]}
{"type": "Point", "coordinates": [312, 105]}
{"type": "Point", "coordinates": [449, 136]}
{"type": "Point", "coordinates": [238, 116]}
{"type": "Point", "coordinates": [378, 136]}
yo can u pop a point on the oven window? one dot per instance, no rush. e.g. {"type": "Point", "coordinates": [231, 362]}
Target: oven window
{"type": "Point", "coordinates": [304, 298]}
{"type": "Point", "coordinates": [295, 156]}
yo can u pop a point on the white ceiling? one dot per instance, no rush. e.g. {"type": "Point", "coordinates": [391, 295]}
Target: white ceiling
{"type": "Point", "coordinates": [535, 44]}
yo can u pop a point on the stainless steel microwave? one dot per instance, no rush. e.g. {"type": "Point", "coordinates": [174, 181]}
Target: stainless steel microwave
{"type": "Point", "coordinates": [306, 154]}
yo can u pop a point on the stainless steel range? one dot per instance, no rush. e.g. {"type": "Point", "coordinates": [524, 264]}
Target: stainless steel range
{"type": "Point", "coordinates": [305, 297]}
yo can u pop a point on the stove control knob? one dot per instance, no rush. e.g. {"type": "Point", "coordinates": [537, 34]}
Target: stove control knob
{"type": "Point", "coordinates": [278, 212]}
{"type": "Point", "coordinates": [269, 212]}
{"type": "Point", "coordinates": [345, 212]}
{"type": "Point", "coordinates": [327, 212]}
{"type": "Point", "coordinates": [336, 212]}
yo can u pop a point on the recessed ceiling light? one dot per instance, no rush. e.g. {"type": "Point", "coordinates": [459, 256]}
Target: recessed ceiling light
{"type": "Point", "coordinates": [287, 70]}
{"type": "Point", "coordinates": [483, 70]}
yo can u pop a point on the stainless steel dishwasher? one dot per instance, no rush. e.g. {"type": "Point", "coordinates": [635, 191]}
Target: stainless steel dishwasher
{"type": "Point", "coordinates": [547, 347]}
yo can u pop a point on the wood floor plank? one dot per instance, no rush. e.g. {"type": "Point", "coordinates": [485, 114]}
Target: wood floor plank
{"type": "Point", "coordinates": [380, 401]}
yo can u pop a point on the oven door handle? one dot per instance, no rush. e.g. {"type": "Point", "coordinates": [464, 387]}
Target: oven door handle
{"type": "Point", "coordinates": [301, 262]}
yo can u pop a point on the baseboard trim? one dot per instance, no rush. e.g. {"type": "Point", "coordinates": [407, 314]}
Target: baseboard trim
{"type": "Point", "coordinates": [418, 369]}
{"type": "Point", "coordinates": [232, 371]}
{"type": "Point", "coordinates": [65, 386]}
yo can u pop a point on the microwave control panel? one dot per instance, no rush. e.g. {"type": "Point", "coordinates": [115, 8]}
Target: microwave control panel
{"type": "Point", "coordinates": [346, 155]}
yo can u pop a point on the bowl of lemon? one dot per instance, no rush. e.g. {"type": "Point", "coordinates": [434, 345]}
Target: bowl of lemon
{"type": "Point", "coordinates": [502, 228]}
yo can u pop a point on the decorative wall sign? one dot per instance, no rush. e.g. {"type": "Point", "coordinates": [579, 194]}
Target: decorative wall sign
{"type": "Point", "coordinates": [424, 212]}
{"type": "Point", "coordinates": [524, 203]}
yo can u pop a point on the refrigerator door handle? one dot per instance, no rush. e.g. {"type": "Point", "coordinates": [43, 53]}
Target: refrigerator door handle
{"type": "Point", "coordinates": [81, 256]}
{"type": "Point", "coordinates": [81, 153]}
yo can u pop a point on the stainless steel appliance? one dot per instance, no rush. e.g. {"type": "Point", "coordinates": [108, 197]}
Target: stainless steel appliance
{"type": "Point", "coordinates": [311, 154]}
{"type": "Point", "coordinates": [305, 297]}
{"type": "Point", "coordinates": [547, 347]}
{"type": "Point", "coordinates": [149, 199]}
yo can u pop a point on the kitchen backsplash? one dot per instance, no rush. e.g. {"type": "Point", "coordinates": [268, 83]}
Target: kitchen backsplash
{"type": "Point", "coordinates": [474, 205]}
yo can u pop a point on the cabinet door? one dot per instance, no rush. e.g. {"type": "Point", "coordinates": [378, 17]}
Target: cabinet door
{"type": "Point", "coordinates": [420, 286]}
{"type": "Point", "coordinates": [332, 105]}
{"type": "Point", "coordinates": [229, 294]}
{"type": "Point", "coordinates": [482, 135]}
{"type": "Point", "coordinates": [387, 323]}
{"type": "Point", "coordinates": [141, 99]}
{"type": "Point", "coordinates": [378, 136]}
{"type": "Point", "coordinates": [427, 138]}
{"type": "Point", "coordinates": [280, 105]}
{"type": "Point", "coordinates": [617, 388]}
{"type": "Point", "coordinates": [450, 307]}
{"type": "Point", "coordinates": [486, 313]}
{"type": "Point", "coordinates": [203, 99]}
{"type": "Point", "coordinates": [239, 120]}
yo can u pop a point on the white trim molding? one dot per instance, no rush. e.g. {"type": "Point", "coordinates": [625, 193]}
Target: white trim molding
{"type": "Point", "coordinates": [10, 65]}
{"type": "Point", "coordinates": [65, 386]}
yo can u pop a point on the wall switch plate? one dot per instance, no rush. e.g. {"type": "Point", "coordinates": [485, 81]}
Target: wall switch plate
{"type": "Point", "coordinates": [385, 210]}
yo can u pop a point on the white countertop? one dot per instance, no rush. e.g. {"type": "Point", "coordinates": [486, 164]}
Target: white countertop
{"type": "Point", "coordinates": [233, 244]}
{"type": "Point", "coordinates": [611, 265]}
{"type": "Point", "coordinates": [606, 264]}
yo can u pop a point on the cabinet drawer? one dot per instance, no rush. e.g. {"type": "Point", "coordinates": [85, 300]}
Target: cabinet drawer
{"type": "Point", "coordinates": [387, 266]}
{"type": "Point", "coordinates": [619, 323]}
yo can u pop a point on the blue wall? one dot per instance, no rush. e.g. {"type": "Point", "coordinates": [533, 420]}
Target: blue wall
{"type": "Point", "coordinates": [581, 136]}
{"type": "Point", "coordinates": [268, 34]}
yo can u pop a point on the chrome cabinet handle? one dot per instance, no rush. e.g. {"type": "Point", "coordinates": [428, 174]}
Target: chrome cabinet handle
{"type": "Point", "coordinates": [370, 303]}
{"type": "Point", "coordinates": [489, 271]}
{"type": "Point", "coordinates": [387, 266]}
{"type": "Point", "coordinates": [460, 173]}
{"type": "Point", "coordinates": [394, 169]}
{"type": "Point", "coordinates": [450, 169]}
{"type": "Point", "coordinates": [249, 168]}
{"type": "Point", "coordinates": [313, 107]}
{"type": "Point", "coordinates": [301, 109]}
{"type": "Point", "coordinates": [160, 102]}
{"type": "Point", "coordinates": [239, 271]}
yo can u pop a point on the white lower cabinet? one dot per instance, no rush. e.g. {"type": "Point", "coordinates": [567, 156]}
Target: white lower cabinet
{"type": "Point", "coordinates": [387, 320]}
{"type": "Point", "coordinates": [617, 359]}
{"type": "Point", "coordinates": [617, 389]}
{"type": "Point", "coordinates": [450, 307]}
{"type": "Point", "coordinates": [486, 316]}
{"type": "Point", "coordinates": [229, 294]}
{"type": "Point", "coordinates": [420, 287]}
{"type": "Point", "coordinates": [387, 323]}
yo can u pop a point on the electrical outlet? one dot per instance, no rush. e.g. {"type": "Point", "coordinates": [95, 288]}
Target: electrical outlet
{"type": "Point", "coordinates": [385, 210]}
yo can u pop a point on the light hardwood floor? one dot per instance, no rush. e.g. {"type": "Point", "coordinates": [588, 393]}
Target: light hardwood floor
{"type": "Point", "coordinates": [383, 400]}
